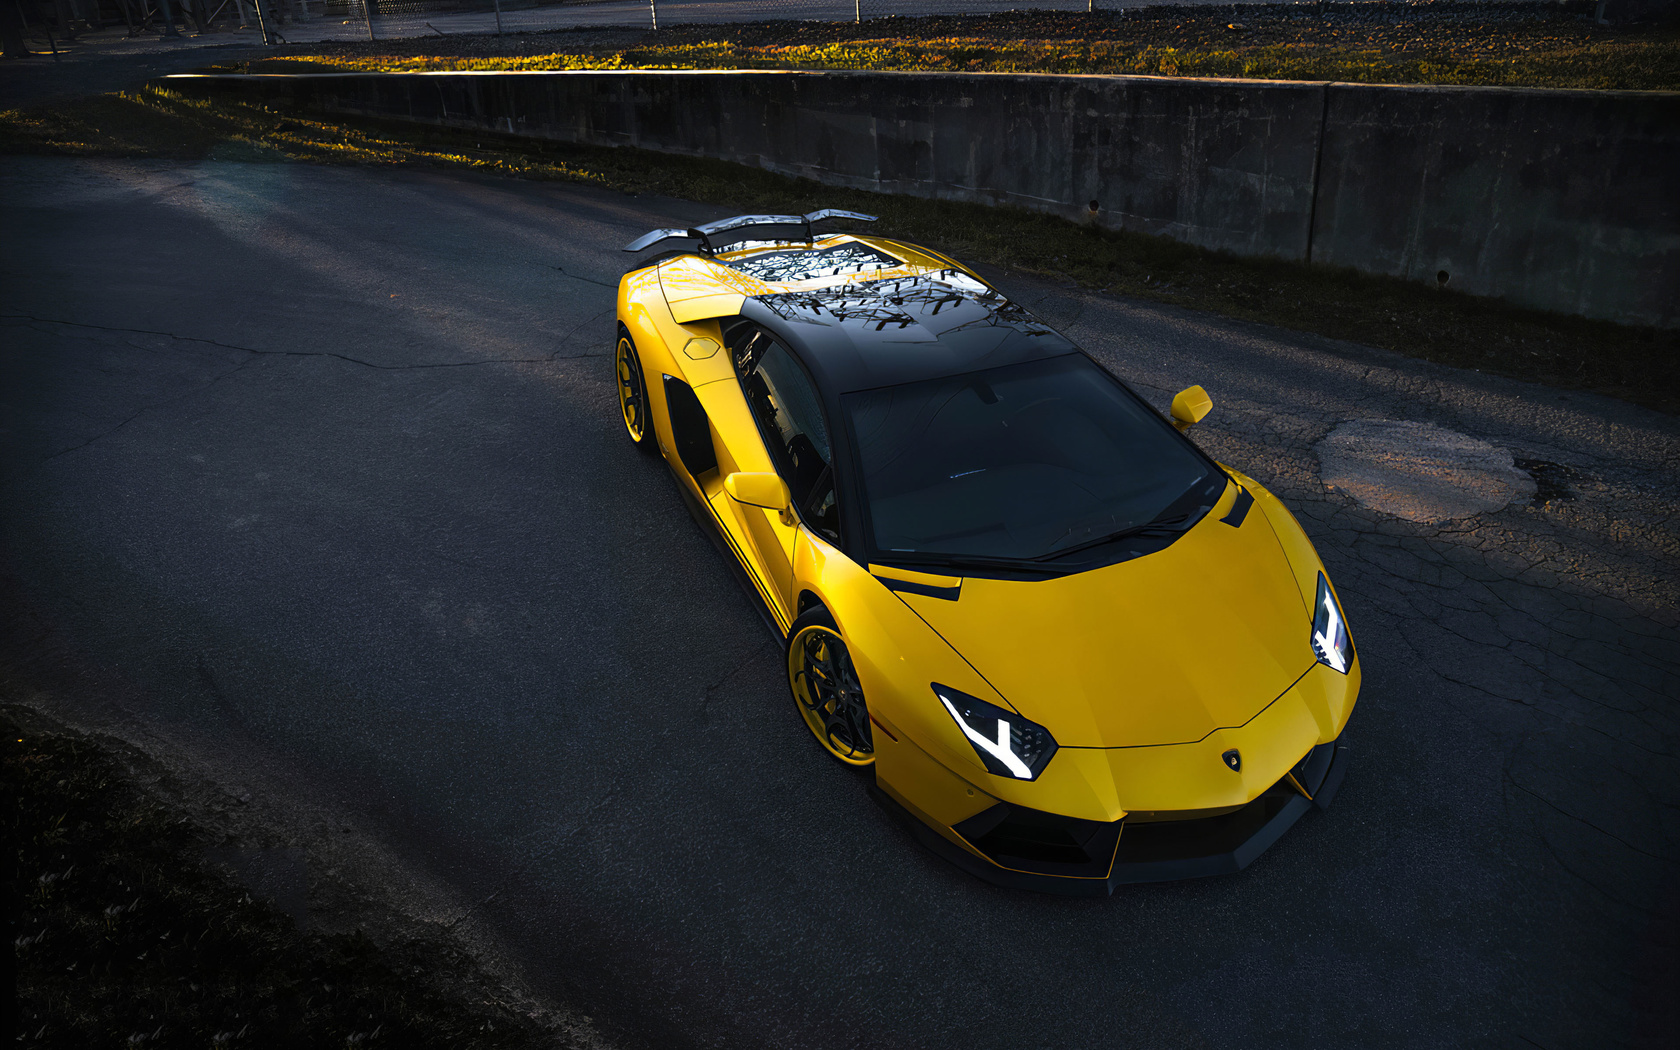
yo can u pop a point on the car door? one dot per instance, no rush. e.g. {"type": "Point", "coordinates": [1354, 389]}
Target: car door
{"type": "Point", "coordinates": [787, 409]}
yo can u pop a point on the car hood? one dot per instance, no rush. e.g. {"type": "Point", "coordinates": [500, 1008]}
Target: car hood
{"type": "Point", "coordinates": [1161, 649]}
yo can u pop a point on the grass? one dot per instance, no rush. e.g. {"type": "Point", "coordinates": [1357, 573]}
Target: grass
{"type": "Point", "coordinates": [1637, 65]}
{"type": "Point", "coordinates": [1441, 43]}
{"type": "Point", "coordinates": [1637, 364]}
{"type": "Point", "coordinates": [125, 937]}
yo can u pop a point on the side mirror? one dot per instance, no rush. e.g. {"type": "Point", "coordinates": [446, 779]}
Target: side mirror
{"type": "Point", "coordinates": [761, 490]}
{"type": "Point", "coordinates": [1190, 406]}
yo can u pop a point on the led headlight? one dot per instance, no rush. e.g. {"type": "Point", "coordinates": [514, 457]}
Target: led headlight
{"type": "Point", "coordinates": [1009, 745]}
{"type": "Point", "coordinates": [1330, 638]}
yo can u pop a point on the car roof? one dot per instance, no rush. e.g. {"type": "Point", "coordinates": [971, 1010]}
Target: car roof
{"type": "Point", "coordinates": [886, 333]}
{"type": "Point", "coordinates": [866, 312]}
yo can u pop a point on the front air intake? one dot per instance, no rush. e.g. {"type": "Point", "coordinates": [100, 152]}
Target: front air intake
{"type": "Point", "coordinates": [1030, 840]}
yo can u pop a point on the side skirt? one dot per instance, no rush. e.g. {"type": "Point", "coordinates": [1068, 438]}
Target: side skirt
{"type": "Point", "coordinates": [708, 524]}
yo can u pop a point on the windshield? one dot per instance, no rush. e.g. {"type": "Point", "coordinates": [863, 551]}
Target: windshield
{"type": "Point", "coordinates": [1021, 463]}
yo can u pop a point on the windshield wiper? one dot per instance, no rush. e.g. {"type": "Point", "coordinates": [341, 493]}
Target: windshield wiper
{"type": "Point", "coordinates": [1166, 523]}
{"type": "Point", "coordinates": [1159, 527]}
{"type": "Point", "coordinates": [958, 561]}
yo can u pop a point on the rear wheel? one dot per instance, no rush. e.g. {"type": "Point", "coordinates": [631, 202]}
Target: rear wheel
{"type": "Point", "coordinates": [826, 688]}
{"type": "Point", "coordinates": [632, 395]}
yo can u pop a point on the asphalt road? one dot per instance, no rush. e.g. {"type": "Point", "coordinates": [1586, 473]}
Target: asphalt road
{"type": "Point", "coordinates": [108, 60]}
{"type": "Point", "coordinates": [318, 470]}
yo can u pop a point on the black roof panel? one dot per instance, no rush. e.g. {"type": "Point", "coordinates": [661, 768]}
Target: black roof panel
{"type": "Point", "coordinates": [883, 333]}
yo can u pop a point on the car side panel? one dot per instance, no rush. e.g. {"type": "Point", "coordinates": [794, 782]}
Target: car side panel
{"type": "Point", "coordinates": [764, 543]}
{"type": "Point", "coordinates": [694, 354]}
{"type": "Point", "coordinates": [773, 544]}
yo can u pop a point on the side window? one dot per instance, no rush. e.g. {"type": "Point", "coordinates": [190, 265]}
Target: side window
{"type": "Point", "coordinates": [789, 414]}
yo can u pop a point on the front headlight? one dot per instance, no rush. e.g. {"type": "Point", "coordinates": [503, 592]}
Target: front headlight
{"type": "Point", "coordinates": [1008, 745]}
{"type": "Point", "coordinates": [1330, 638]}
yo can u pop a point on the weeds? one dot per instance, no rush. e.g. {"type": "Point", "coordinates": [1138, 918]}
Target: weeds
{"type": "Point", "coordinates": [1646, 62]}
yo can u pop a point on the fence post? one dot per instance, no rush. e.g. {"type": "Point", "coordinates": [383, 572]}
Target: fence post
{"type": "Point", "coordinates": [367, 16]}
{"type": "Point", "coordinates": [498, 17]}
{"type": "Point", "coordinates": [61, 9]}
{"type": "Point", "coordinates": [12, 28]}
{"type": "Point", "coordinates": [857, 11]}
{"type": "Point", "coordinates": [653, 13]}
{"type": "Point", "coordinates": [262, 22]}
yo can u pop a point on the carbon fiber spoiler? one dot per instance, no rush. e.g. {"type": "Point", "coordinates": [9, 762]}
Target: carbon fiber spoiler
{"type": "Point", "coordinates": [715, 235]}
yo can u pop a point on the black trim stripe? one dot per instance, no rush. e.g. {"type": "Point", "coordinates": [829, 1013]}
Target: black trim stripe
{"type": "Point", "coordinates": [927, 590]}
{"type": "Point", "coordinates": [1239, 509]}
{"type": "Point", "coordinates": [747, 578]}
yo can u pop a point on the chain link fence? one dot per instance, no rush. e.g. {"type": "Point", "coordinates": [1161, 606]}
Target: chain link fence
{"type": "Point", "coordinates": [304, 21]}
{"type": "Point", "coordinates": [391, 19]}
{"type": "Point", "coordinates": [418, 17]}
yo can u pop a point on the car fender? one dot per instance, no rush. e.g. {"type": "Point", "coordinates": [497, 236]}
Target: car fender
{"type": "Point", "coordinates": [1332, 698]}
{"type": "Point", "coordinates": [1298, 551]}
{"type": "Point", "coordinates": [898, 657]}
{"type": "Point", "coordinates": [663, 346]}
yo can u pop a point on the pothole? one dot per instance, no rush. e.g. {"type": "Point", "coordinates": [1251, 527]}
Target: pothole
{"type": "Point", "coordinates": [1552, 480]}
{"type": "Point", "coordinates": [1418, 471]}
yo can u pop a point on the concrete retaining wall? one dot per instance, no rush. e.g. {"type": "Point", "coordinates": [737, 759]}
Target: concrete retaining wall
{"type": "Point", "coordinates": [1563, 200]}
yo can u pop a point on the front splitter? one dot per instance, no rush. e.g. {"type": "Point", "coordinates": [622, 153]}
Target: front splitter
{"type": "Point", "coordinates": [1162, 852]}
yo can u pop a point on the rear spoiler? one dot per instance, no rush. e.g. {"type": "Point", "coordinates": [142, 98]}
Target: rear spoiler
{"type": "Point", "coordinates": [715, 235]}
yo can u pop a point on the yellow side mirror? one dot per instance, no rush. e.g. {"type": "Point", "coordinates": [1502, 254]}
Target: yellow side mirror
{"type": "Point", "coordinates": [1190, 406]}
{"type": "Point", "coordinates": [761, 489]}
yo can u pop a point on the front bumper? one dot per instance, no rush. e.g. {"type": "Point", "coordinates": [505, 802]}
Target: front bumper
{"type": "Point", "coordinates": [1028, 849]}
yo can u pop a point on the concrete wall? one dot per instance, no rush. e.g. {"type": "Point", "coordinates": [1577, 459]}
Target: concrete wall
{"type": "Point", "coordinates": [1564, 200]}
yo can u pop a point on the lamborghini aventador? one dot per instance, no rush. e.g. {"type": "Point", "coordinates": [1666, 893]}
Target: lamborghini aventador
{"type": "Point", "coordinates": [1075, 650]}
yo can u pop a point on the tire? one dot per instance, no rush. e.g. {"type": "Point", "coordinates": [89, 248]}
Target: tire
{"type": "Point", "coordinates": [633, 402]}
{"type": "Point", "coordinates": [826, 690]}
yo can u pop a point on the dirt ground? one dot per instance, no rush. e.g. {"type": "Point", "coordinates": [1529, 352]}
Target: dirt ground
{"type": "Point", "coordinates": [156, 908]}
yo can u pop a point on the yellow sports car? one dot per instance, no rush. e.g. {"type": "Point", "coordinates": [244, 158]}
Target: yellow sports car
{"type": "Point", "coordinates": [1076, 651]}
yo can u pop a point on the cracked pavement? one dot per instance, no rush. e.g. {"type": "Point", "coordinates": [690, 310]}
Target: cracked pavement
{"type": "Point", "coordinates": [308, 474]}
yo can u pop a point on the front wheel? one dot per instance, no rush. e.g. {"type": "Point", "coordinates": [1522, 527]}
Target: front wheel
{"type": "Point", "coordinates": [826, 688]}
{"type": "Point", "coordinates": [632, 395]}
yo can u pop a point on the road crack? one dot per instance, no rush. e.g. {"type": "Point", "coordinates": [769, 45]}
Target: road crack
{"type": "Point", "coordinates": [588, 280]}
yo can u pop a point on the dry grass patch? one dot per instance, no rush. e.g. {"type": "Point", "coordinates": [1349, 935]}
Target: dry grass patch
{"type": "Point", "coordinates": [1555, 45]}
{"type": "Point", "coordinates": [1636, 65]}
